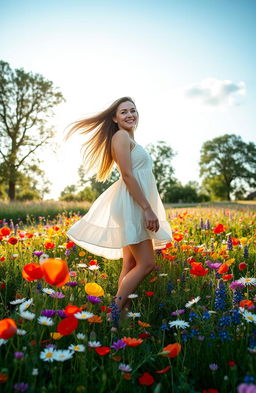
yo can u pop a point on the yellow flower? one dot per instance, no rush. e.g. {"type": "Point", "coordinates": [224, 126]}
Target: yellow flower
{"type": "Point", "coordinates": [243, 240]}
{"type": "Point", "coordinates": [230, 261]}
{"type": "Point", "coordinates": [56, 335]}
{"type": "Point", "coordinates": [93, 289]}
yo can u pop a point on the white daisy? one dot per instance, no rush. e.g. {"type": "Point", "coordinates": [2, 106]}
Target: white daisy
{"type": "Point", "coordinates": [25, 305]}
{"type": "Point", "coordinates": [45, 321]}
{"type": "Point", "coordinates": [252, 350]}
{"type": "Point", "coordinates": [43, 257]}
{"type": "Point", "coordinates": [133, 315]}
{"type": "Point", "coordinates": [27, 315]}
{"type": "Point", "coordinates": [163, 274]}
{"type": "Point", "coordinates": [47, 355]}
{"type": "Point", "coordinates": [80, 336]}
{"type": "Point", "coordinates": [132, 295]}
{"type": "Point", "coordinates": [247, 280]}
{"type": "Point", "coordinates": [3, 341]}
{"type": "Point", "coordinates": [35, 371]}
{"type": "Point", "coordinates": [193, 301]}
{"type": "Point", "coordinates": [81, 265]}
{"type": "Point", "coordinates": [83, 315]}
{"type": "Point", "coordinates": [94, 267]}
{"type": "Point", "coordinates": [18, 301]}
{"type": "Point", "coordinates": [62, 354]}
{"type": "Point", "coordinates": [94, 344]}
{"type": "Point", "coordinates": [49, 291]}
{"type": "Point", "coordinates": [179, 324]}
{"type": "Point", "coordinates": [21, 332]}
{"type": "Point", "coordinates": [77, 348]}
{"type": "Point", "coordinates": [250, 317]}
{"type": "Point", "coordinates": [124, 367]}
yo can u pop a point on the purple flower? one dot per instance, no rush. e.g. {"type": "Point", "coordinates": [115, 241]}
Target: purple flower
{"type": "Point", "coordinates": [93, 299]}
{"type": "Point", "coordinates": [236, 284]}
{"type": "Point", "coordinates": [51, 346]}
{"type": "Point", "coordinates": [213, 367]}
{"type": "Point", "coordinates": [19, 355]}
{"type": "Point", "coordinates": [178, 312]}
{"type": "Point", "coordinates": [57, 295]}
{"type": "Point", "coordinates": [48, 313]}
{"type": "Point", "coordinates": [213, 265]}
{"type": "Point", "coordinates": [21, 386]}
{"type": "Point", "coordinates": [37, 253]}
{"type": "Point", "coordinates": [71, 283]}
{"type": "Point", "coordinates": [61, 313]}
{"type": "Point", "coordinates": [119, 344]}
{"type": "Point", "coordinates": [246, 388]}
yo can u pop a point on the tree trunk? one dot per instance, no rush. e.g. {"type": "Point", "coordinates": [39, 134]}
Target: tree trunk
{"type": "Point", "coordinates": [11, 191]}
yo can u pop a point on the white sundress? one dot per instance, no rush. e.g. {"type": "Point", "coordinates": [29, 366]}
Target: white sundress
{"type": "Point", "coordinates": [115, 219]}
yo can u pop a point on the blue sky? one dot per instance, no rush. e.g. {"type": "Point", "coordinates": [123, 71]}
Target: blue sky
{"type": "Point", "coordinates": [188, 64]}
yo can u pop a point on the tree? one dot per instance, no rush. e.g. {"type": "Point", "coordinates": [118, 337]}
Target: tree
{"type": "Point", "coordinates": [228, 165]}
{"type": "Point", "coordinates": [162, 155]}
{"type": "Point", "coordinates": [26, 102]}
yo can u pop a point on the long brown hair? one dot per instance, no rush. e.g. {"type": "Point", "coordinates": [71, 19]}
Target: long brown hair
{"type": "Point", "coordinates": [97, 150]}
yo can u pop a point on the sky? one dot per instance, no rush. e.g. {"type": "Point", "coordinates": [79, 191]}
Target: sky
{"type": "Point", "coordinates": [189, 65]}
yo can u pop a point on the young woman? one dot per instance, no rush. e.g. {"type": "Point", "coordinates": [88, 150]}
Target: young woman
{"type": "Point", "coordinates": [128, 220]}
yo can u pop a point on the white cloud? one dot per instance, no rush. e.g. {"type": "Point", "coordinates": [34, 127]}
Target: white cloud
{"type": "Point", "coordinates": [216, 92]}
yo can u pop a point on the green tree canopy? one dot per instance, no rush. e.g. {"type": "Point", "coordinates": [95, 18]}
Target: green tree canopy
{"type": "Point", "coordinates": [162, 155]}
{"type": "Point", "coordinates": [26, 102]}
{"type": "Point", "coordinates": [228, 165]}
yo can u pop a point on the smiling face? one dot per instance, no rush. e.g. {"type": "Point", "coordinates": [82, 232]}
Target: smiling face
{"type": "Point", "coordinates": [126, 116]}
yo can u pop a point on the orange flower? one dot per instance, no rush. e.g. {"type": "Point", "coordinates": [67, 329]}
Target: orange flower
{"type": "Point", "coordinates": [132, 342]}
{"type": "Point", "coordinates": [164, 370]}
{"type": "Point", "coordinates": [143, 324]}
{"type": "Point", "coordinates": [227, 276]}
{"type": "Point", "coordinates": [95, 319]}
{"type": "Point", "coordinates": [55, 271]}
{"type": "Point", "coordinates": [223, 268]}
{"type": "Point", "coordinates": [49, 245]}
{"type": "Point", "coordinates": [173, 349]}
{"type": "Point", "coordinates": [178, 236]}
{"type": "Point", "coordinates": [246, 303]}
{"type": "Point", "coordinates": [116, 358]}
{"type": "Point", "coordinates": [8, 328]}
{"type": "Point", "coordinates": [154, 279]}
{"type": "Point", "coordinates": [3, 377]}
{"type": "Point", "coordinates": [67, 325]}
{"type": "Point", "coordinates": [71, 310]}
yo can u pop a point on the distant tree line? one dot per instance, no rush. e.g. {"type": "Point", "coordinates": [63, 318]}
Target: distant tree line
{"type": "Point", "coordinates": [227, 163]}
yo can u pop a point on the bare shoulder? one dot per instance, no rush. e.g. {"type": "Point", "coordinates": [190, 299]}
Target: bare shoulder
{"type": "Point", "coordinates": [120, 136]}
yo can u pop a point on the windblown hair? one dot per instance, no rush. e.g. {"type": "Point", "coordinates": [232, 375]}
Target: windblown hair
{"type": "Point", "coordinates": [97, 150]}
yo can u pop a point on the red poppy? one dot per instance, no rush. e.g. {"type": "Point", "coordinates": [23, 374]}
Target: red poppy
{"type": "Point", "coordinates": [242, 266]}
{"type": "Point", "coordinates": [13, 240]}
{"type": "Point", "coordinates": [246, 303]}
{"type": "Point", "coordinates": [56, 228]}
{"type": "Point", "coordinates": [210, 391]}
{"type": "Point", "coordinates": [105, 309]}
{"type": "Point", "coordinates": [219, 229]}
{"type": "Point", "coordinates": [227, 276]}
{"type": "Point", "coordinates": [223, 268]}
{"type": "Point", "coordinates": [149, 293]}
{"type": "Point", "coordinates": [146, 379]}
{"type": "Point", "coordinates": [29, 235]}
{"type": "Point", "coordinates": [231, 363]}
{"type": "Point", "coordinates": [235, 241]}
{"type": "Point", "coordinates": [32, 271]}
{"type": "Point", "coordinates": [173, 349]}
{"type": "Point", "coordinates": [198, 269]}
{"type": "Point", "coordinates": [2, 259]}
{"type": "Point", "coordinates": [178, 236]}
{"type": "Point", "coordinates": [8, 328]}
{"type": "Point", "coordinates": [55, 271]}
{"type": "Point", "coordinates": [49, 245]}
{"type": "Point", "coordinates": [71, 310]}
{"type": "Point", "coordinates": [102, 351]}
{"type": "Point", "coordinates": [70, 244]}
{"type": "Point", "coordinates": [144, 335]}
{"type": "Point", "coordinates": [164, 370]}
{"type": "Point", "coordinates": [5, 231]}
{"type": "Point", "coordinates": [170, 257]}
{"type": "Point", "coordinates": [93, 262]}
{"type": "Point", "coordinates": [191, 259]}
{"type": "Point", "coordinates": [67, 325]}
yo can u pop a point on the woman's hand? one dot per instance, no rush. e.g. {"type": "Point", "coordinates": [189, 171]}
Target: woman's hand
{"type": "Point", "coordinates": [151, 220]}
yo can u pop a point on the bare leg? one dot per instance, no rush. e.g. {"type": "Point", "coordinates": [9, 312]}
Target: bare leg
{"type": "Point", "coordinates": [144, 255]}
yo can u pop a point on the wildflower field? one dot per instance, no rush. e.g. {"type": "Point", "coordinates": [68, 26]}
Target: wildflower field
{"type": "Point", "coordinates": [191, 327]}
